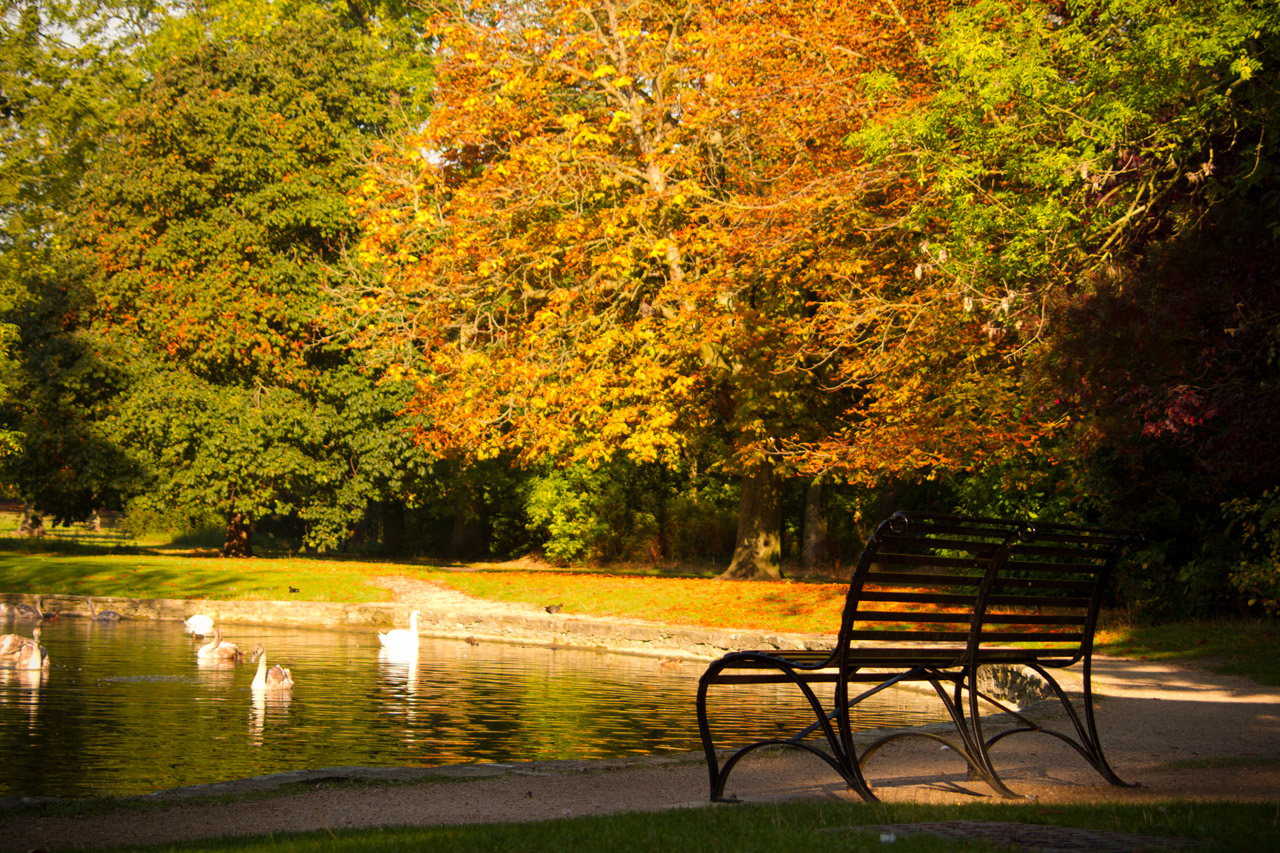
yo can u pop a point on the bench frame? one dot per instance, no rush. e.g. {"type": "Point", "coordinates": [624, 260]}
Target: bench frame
{"type": "Point", "coordinates": [935, 598]}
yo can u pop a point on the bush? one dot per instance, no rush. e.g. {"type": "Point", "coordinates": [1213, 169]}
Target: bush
{"type": "Point", "coordinates": [1257, 574]}
{"type": "Point", "coordinates": [625, 511]}
{"type": "Point", "coordinates": [560, 507]}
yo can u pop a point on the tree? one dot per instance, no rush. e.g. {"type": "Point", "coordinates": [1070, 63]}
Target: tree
{"type": "Point", "coordinates": [64, 75]}
{"type": "Point", "coordinates": [209, 227]}
{"type": "Point", "coordinates": [1105, 174]}
{"type": "Point", "coordinates": [638, 228]}
{"type": "Point", "coordinates": [62, 81]}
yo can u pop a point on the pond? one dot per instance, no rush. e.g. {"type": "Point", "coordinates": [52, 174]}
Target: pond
{"type": "Point", "coordinates": [126, 708]}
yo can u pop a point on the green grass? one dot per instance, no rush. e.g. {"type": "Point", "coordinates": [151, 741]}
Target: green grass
{"type": "Point", "coordinates": [145, 574]}
{"type": "Point", "coordinates": [789, 827]}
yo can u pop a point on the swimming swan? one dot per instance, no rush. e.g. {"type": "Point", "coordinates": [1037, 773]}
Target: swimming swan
{"type": "Point", "coordinates": [216, 649]}
{"type": "Point", "coordinates": [11, 644]}
{"type": "Point", "coordinates": [274, 678]}
{"type": "Point", "coordinates": [32, 655]}
{"type": "Point", "coordinates": [104, 616]}
{"type": "Point", "coordinates": [29, 611]}
{"type": "Point", "coordinates": [198, 625]}
{"type": "Point", "coordinates": [402, 639]}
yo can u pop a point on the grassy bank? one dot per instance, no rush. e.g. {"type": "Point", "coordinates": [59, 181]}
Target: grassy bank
{"type": "Point", "coordinates": [798, 827]}
{"type": "Point", "coordinates": [1245, 647]}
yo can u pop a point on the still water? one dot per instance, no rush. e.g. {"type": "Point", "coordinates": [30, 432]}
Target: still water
{"type": "Point", "coordinates": [128, 709]}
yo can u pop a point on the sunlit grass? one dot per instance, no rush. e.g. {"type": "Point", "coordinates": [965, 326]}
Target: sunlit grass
{"type": "Point", "coordinates": [771, 606]}
{"type": "Point", "coordinates": [697, 602]}
{"type": "Point", "coordinates": [148, 575]}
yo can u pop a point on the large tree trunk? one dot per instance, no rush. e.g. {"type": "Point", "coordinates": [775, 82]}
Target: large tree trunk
{"type": "Point", "coordinates": [467, 538]}
{"type": "Point", "coordinates": [813, 550]}
{"type": "Point", "coordinates": [392, 526]}
{"type": "Point", "coordinates": [758, 554]}
{"type": "Point", "coordinates": [238, 541]}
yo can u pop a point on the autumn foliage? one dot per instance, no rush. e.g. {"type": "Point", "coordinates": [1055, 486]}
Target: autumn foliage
{"type": "Point", "coordinates": [636, 227]}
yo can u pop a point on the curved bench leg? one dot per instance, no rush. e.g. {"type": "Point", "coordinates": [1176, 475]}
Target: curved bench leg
{"type": "Point", "coordinates": [838, 759]}
{"type": "Point", "coordinates": [1086, 740]}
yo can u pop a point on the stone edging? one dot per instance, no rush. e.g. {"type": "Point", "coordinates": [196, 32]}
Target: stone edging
{"type": "Point", "coordinates": [524, 625]}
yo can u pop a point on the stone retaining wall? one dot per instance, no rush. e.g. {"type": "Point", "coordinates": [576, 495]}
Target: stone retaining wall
{"type": "Point", "coordinates": [493, 622]}
{"type": "Point", "coordinates": [514, 625]}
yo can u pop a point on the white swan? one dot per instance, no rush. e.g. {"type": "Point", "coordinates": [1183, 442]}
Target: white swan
{"type": "Point", "coordinates": [402, 640]}
{"type": "Point", "coordinates": [31, 611]}
{"type": "Point", "coordinates": [216, 649]}
{"type": "Point", "coordinates": [198, 625]}
{"type": "Point", "coordinates": [274, 678]}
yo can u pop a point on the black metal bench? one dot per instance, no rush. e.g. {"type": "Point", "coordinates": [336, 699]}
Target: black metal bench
{"type": "Point", "coordinates": [935, 598]}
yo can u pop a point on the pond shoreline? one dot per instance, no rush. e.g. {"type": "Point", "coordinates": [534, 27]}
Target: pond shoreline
{"type": "Point", "coordinates": [1136, 718]}
{"type": "Point", "coordinates": [444, 613]}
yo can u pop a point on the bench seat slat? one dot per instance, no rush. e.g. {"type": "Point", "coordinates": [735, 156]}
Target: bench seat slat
{"type": "Point", "coordinates": [1042, 583]}
{"type": "Point", "coordinates": [910, 579]}
{"type": "Point", "coordinates": [909, 616]}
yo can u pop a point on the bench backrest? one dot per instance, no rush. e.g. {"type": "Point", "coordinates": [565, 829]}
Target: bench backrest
{"type": "Point", "coordinates": [949, 590]}
{"type": "Point", "coordinates": [1044, 600]}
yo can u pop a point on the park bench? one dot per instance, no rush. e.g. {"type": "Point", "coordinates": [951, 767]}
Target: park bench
{"type": "Point", "coordinates": [934, 599]}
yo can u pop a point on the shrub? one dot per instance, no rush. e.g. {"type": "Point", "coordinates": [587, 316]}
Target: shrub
{"type": "Point", "coordinates": [1257, 574]}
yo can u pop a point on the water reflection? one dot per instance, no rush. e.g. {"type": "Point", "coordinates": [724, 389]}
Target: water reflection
{"type": "Point", "coordinates": [20, 689]}
{"type": "Point", "coordinates": [267, 708]}
{"type": "Point", "coordinates": [130, 708]}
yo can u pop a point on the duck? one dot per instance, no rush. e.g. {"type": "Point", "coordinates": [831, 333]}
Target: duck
{"type": "Point", "coordinates": [198, 625]}
{"type": "Point", "coordinates": [104, 616]}
{"type": "Point", "coordinates": [216, 649]}
{"type": "Point", "coordinates": [273, 678]}
{"type": "Point", "coordinates": [402, 639]}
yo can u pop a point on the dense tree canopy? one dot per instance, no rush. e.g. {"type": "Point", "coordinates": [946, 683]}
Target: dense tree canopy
{"type": "Point", "coordinates": [1105, 173]}
{"type": "Point", "coordinates": [66, 68]}
{"type": "Point", "coordinates": [208, 226]}
{"type": "Point", "coordinates": [638, 227]}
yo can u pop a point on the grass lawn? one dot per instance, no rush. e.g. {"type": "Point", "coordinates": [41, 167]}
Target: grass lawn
{"type": "Point", "coordinates": [801, 827]}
